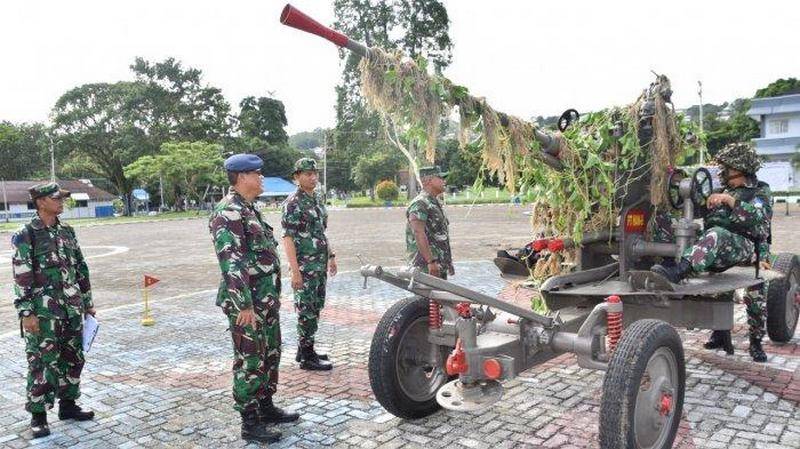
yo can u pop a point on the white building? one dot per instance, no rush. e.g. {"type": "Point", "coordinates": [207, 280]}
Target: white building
{"type": "Point", "coordinates": [779, 119]}
{"type": "Point", "coordinates": [90, 202]}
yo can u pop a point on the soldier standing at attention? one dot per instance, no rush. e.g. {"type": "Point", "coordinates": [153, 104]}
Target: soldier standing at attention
{"type": "Point", "coordinates": [249, 295]}
{"type": "Point", "coordinates": [51, 285]}
{"type": "Point", "coordinates": [427, 233]}
{"type": "Point", "coordinates": [304, 222]}
{"type": "Point", "coordinates": [737, 231]}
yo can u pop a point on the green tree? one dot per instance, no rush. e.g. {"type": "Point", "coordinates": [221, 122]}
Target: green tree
{"type": "Point", "coordinates": [420, 28]}
{"type": "Point", "coordinates": [370, 169]}
{"type": "Point", "coordinates": [177, 106]}
{"type": "Point", "coordinates": [780, 87]}
{"type": "Point", "coordinates": [307, 140]}
{"type": "Point", "coordinates": [263, 118]}
{"type": "Point", "coordinates": [24, 151]}
{"type": "Point", "coordinates": [463, 165]}
{"type": "Point", "coordinates": [187, 169]}
{"type": "Point", "coordinates": [98, 125]}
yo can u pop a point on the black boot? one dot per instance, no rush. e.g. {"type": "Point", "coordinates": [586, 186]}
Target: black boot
{"type": "Point", "coordinates": [269, 414]}
{"type": "Point", "coordinates": [67, 409]}
{"type": "Point", "coordinates": [720, 340]}
{"type": "Point", "coordinates": [299, 355]}
{"type": "Point", "coordinates": [676, 273]}
{"type": "Point", "coordinates": [756, 351]}
{"type": "Point", "coordinates": [309, 360]}
{"type": "Point", "coordinates": [39, 427]}
{"type": "Point", "coordinates": [254, 430]}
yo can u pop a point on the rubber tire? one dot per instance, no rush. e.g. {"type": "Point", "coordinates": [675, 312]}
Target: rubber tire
{"type": "Point", "coordinates": [623, 378]}
{"type": "Point", "coordinates": [383, 356]}
{"type": "Point", "coordinates": [777, 329]}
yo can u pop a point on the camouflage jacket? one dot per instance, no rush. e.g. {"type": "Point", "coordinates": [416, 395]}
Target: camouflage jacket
{"type": "Point", "coordinates": [305, 220]}
{"type": "Point", "coordinates": [751, 215]}
{"type": "Point", "coordinates": [51, 277]}
{"type": "Point", "coordinates": [247, 253]}
{"type": "Point", "coordinates": [428, 209]}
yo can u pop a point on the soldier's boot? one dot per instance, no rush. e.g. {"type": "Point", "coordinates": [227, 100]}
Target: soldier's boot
{"type": "Point", "coordinates": [254, 430]}
{"type": "Point", "coordinates": [756, 351]}
{"type": "Point", "coordinates": [309, 360]}
{"type": "Point", "coordinates": [676, 273]}
{"type": "Point", "coordinates": [720, 340]}
{"type": "Point", "coordinates": [68, 409]}
{"type": "Point", "coordinates": [299, 355]}
{"type": "Point", "coordinates": [270, 414]}
{"type": "Point", "coordinates": [39, 427]}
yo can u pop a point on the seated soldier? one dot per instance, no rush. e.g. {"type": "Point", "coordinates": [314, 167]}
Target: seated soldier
{"type": "Point", "coordinates": [737, 230]}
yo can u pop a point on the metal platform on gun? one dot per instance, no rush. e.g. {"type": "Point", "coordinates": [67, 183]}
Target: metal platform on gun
{"type": "Point", "coordinates": [646, 283]}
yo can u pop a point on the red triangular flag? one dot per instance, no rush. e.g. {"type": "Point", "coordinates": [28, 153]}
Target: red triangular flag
{"type": "Point", "coordinates": [149, 280]}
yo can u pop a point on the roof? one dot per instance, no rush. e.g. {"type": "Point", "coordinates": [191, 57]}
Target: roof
{"type": "Point", "coordinates": [274, 186]}
{"type": "Point", "coordinates": [17, 191]}
{"type": "Point", "coordinates": [774, 105]}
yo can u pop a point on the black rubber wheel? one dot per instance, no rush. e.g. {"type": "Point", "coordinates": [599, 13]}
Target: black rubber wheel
{"type": "Point", "coordinates": [643, 389]}
{"type": "Point", "coordinates": [402, 373]}
{"type": "Point", "coordinates": [567, 118]}
{"type": "Point", "coordinates": [783, 299]}
{"type": "Point", "coordinates": [674, 188]}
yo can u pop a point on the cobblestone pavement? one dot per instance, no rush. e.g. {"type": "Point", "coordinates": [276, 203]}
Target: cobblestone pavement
{"type": "Point", "coordinates": [169, 386]}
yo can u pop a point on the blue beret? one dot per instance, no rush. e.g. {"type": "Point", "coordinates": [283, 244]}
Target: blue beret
{"type": "Point", "coordinates": [243, 162]}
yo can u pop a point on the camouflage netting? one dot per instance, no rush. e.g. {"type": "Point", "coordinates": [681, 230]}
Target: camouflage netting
{"type": "Point", "coordinates": [581, 198]}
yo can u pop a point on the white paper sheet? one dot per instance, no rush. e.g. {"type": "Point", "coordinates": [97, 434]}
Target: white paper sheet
{"type": "Point", "coordinates": [90, 327]}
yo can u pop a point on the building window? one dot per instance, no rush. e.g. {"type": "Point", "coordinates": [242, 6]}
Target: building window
{"type": "Point", "coordinates": [2, 206]}
{"type": "Point", "coordinates": [81, 203]}
{"type": "Point", "coordinates": [779, 126]}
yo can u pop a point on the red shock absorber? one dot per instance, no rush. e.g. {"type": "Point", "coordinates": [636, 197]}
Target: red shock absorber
{"type": "Point", "coordinates": [614, 321]}
{"type": "Point", "coordinates": [434, 315]}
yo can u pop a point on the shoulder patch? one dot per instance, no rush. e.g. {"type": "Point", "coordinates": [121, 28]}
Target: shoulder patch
{"type": "Point", "coordinates": [758, 203]}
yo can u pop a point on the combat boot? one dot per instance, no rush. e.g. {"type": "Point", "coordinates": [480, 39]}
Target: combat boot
{"type": "Point", "coordinates": [270, 414]}
{"type": "Point", "coordinates": [39, 427]}
{"type": "Point", "coordinates": [254, 430]}
{"type": "Point", "coordinates": [676, 273]}
{"type": "Point", "coordinates": [756, 351]}
{"type": "Point", "coordinates": [720, 340]}
{"type": "Point", "coordinates": [299, 355]}
{"type": "Point", "coordinates": [67, 409]}
{"type": "Point", "coordinates": [309, 360]}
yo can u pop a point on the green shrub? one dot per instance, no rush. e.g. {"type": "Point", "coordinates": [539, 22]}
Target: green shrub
{"type": "Point", "coordinates": [387, 191]}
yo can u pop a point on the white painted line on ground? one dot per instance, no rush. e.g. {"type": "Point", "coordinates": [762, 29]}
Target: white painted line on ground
{"type": "Point", "coordinates": [5, 256]}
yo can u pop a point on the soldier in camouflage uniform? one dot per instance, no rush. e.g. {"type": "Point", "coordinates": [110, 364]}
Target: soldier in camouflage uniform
{"type": "Point", "coordinates": [304, 222]}
{"type": "Point", "coordinates": [249, 295]}
{"type": "Point", "coordinates": [427, 233]}
{"type": "Point", "coordinates": [737, 231]}
{"type": "Point", "coordinates": [51, 285]}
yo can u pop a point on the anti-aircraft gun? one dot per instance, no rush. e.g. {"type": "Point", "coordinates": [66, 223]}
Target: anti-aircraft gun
{"type": "Point", "coordinates": [449, 346]}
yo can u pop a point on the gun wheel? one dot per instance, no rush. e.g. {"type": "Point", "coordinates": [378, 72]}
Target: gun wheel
{"type": "Point", "coordinates": [405, 369]}
{"type": "Point", "coordinates": [643, 389]}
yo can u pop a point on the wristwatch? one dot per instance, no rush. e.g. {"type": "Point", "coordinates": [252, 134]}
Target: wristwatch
{"type": "Point", "coordinates": [332, 256]}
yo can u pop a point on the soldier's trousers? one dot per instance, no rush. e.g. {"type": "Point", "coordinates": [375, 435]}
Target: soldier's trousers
{"type": "Point", "coordinates": [256, 356]}
{"type": "Point", "coordinates": [55, 362]}
{"type": "Point", "coordinates": [719, 249]}
{"type": "Point", "coordinates": [756, 306]}
{"type": "Point", "coordinates": [308, 303]}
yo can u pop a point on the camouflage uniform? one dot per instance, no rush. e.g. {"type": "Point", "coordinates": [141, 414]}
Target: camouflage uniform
{"type": "Point", "coordinates": [305, 220]}
{"type": "Point", "coordinates": [251, 277]}
{"type": "Point", "coordinates": [427, 209]}
{"type": "Point", "coordinates": [51, 281]}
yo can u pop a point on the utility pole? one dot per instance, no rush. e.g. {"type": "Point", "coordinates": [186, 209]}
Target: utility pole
{"type": "Point", "coordinates": [700, 94]}
{"type": "Point", "coordinates": [5, 200]}
{"type": "Point", "coordinates": [161, 191]}
{"type": "Point", "coordinates": [52, 160]}
{"type": "Point", "coordinates": [325, 164]}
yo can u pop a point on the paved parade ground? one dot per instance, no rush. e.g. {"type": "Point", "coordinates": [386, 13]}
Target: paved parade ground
{"type": "Point", "coordinates": [169, 385]}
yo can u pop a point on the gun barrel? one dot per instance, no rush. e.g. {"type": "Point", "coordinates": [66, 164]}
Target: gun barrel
{"type": "Point", "coordinates": [295, 18]}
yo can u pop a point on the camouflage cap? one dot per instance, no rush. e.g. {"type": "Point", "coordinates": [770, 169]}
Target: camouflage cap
{"type": "Point", "coordinates": [433, 170]}
{"type": "Point", "coordinates": [740, 156]}
{"type": "Point", "coordinates": [51, 189]}
{"type": "Point", "coordinates": [305, 164]}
